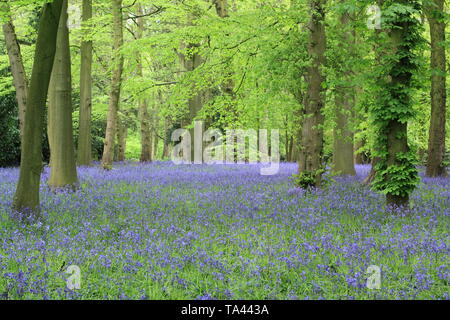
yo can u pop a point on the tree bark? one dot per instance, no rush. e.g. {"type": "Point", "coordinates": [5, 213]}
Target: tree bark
{"type": "Point", "coordinates": [378, 61]}
{"type": "Point", "coordinates": [17, 69]}
{"type": "Point", "coordinates": [191, 62]}
{"type": "Point", "coordinates": [116, 83]}
{"type": "Point", "coordinates": [144, 116]}
{"type": "Point", "coordinates": [311, 146]}
{"type": "Point", "coordinates": [27, 192]}
{"type": "Point", "coordinates": [436, 142]}
{"type": "Point", "coordinates": [84, 155]}
{"type": "Point", "coordinates": [195, 102]}
{"type": "Point", "coordinates": [63, 172]}
{"type": "Point", "coordinates": [397, 130]}
{"type": "Point", "coordinates": [221, 8]}
{"type": "Point", "coordinates": [122, 133]}
{"type": "Point", "coordinates": [343, 160]}
{"type": "Point", "coordinates": [165, 153]}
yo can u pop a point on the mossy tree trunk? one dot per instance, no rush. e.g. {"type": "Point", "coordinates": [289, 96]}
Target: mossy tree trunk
{"type": "Point", "coordinates": [395, 173]}
{"type": "Point", "coordinates": [63, 172]}
{"type": "Point", "coordinates": [27, 192]}
{"type": "Point", "coordinates": [84, 154]}
{"type": "Point", "coordinates": [116, 83]}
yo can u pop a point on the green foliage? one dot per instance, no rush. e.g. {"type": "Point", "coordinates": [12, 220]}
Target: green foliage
{"type": "Point", "coordinates": [98, 130]}
{"type": "Point", "coordinates": [394, 98]}
{"type": "Point", "coordinates": [306, 179]}
{"type": "Point", "coordinates": [10, 134]}
{"type": "Point", "coordinates": [399, 179]}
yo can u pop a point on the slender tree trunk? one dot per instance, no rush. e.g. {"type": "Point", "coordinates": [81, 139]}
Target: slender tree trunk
{"type": "Point", "coordinates": [144, 116]}
{"type": "Point", "coordinates": [62, 150]}
{"type": "Point", "coordinates": [155, 144]}
{"type": "Point", "coordinates": [436, 142]}
{"type": "Point", "coordinates": [122, 133]}
{"type": "Point", "coordinates": [291, 149]}
{"type": "Point", "coordinates": [27, 192]}
{"type": "Point", "coordinates": [195, 103]}
{"type": "Point", "coordinates": [84, 155]}
{"type": "Point", "coordinates": [311, 144]}
{"type": "Point", "coordinates": [146, 139]}
{"type": "Point", "coordinates": [191, 62]}
{"type": "Point", "coordinates": [378, 61]}
{"type": "Point", "coordinates": [17, 70]}
{"type": "Point", "coordinates": [166, 140]}
{"type": "Point", "coordinates": [116, 83]}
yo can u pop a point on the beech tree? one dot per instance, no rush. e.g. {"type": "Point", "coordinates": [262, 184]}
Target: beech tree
{"type": "Point", "coordinates": [311, 142]}
{"type": "Point", "coordinates": [63, 172]}
{"type": "Point", "coordinates": [17, 68]}
{"type": "Point", "coordinates": [84, 154]}
{"type": "Point", "coordinates": [144, 115]}
{"type": "Point", "coordinates": [116, 83]}
{"type": "Point", "coordinates": [396, 174]}
{"type": "Point", "coordinates": [436, 143]}
{"type": "Point", "coordinates": [27, 192]}
{"type": "Point", "coordinates": [343, 158]}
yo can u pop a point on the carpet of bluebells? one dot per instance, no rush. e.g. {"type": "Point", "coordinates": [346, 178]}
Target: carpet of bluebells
{"type": "Point", "coordinates": [160, 231]}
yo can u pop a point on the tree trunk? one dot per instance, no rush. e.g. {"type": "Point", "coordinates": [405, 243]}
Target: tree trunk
{"type": "Point", "coordinates": [122, 133]}
{"type": "Point", "coordinates": [165, 153]}
{"type": "Point", "coordinates": [190, 62]}
{"type": "Point", "coordinates": [399, 175]}
{"type": "Point", "coordinates": [436, 142]}
{"type": "Point", "coordinates": [17, 70]}
{"type": "Point", "coordinates": [378, 61]}
{"type": "Point", "coordinates": [195, 103]}
{"type": "Point", "coordinates": [155, 143]}
{"type": "Point", "coordinates": [311, 143]}
{"type": "Point", "coordinates": [291, 150]}
{"type": "Point", "coordinates": [146, 136]}
{"type": "Point", "coordinates": [116, 83]}
{"type": "Point", "coordinates": [84, 155]}
{"type": "Point", "coordinates": [62, 150]}
{"type": "Point", "coordinates": [397, 143]}
{"type": "Point", "coordinates": [221, 8]}
{"type": "Point", "coordinates": [343, 160]}
{"type": "Point", "coordinates": [27, 192]}
{"type": "Point", "coordinates": [144, 116]}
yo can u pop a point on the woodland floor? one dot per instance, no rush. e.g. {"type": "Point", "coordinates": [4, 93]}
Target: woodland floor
{"type": "Point", "coordinates": [160, 231]}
